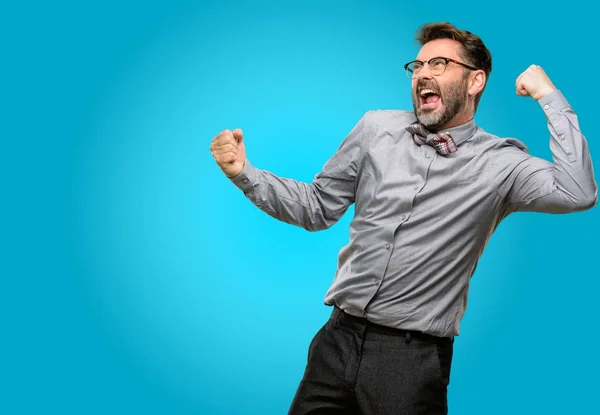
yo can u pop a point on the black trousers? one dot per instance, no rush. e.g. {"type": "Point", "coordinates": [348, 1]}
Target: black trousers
{"type": "Point", "coordinates": [357, 367]}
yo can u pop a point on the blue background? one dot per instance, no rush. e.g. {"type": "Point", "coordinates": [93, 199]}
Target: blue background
{"type": "Point", "coordinates": [137, 279]}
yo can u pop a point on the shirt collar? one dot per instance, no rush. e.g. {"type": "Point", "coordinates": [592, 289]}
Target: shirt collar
{"type": "Point", "coordinates": [461, 133]}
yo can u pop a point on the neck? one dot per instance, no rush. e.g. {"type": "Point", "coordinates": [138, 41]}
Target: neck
{"type": "Point", "coordinates": [461, 118]}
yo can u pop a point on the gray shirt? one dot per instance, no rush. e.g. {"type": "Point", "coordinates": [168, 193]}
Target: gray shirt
{"type": "Point", "coordinates": [421, 220]}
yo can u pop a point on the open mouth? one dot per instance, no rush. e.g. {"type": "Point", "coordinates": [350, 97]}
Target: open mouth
{"type": "Point", "coordinates": [430, 98]}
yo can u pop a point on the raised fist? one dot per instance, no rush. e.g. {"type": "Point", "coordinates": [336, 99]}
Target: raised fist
{"type": "Point", "coordinates": [229, 151]}
{"type": "Point", "coordinates": [534, 83]}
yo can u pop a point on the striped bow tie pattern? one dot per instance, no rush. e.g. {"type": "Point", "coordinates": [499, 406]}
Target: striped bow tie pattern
{"type": "Point", "coordinates": [442, 142]}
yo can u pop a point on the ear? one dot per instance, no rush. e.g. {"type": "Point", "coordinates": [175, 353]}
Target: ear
{"type": "Point", "coordinates": [476, 82]}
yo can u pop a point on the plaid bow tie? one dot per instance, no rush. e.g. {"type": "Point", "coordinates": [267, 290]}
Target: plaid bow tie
{"type": "Point", "coordinates": [442, 142]}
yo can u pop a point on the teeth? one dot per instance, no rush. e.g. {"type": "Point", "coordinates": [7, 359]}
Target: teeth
{"type": "Point", "coordinates": [427, 91]}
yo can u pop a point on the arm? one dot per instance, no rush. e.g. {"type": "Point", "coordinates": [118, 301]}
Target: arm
{"type": "Point", "coordinates": [312, 206]}
{"type": "Point", "coordinates": [568, 184]}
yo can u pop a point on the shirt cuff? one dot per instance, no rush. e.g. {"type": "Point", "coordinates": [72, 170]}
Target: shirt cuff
{"type": "Point", "coordinates": [246, 179]}
{"type": "Point", "coordinates": [553, 103]}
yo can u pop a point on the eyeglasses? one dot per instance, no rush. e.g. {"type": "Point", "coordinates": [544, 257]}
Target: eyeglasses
{"type": "Point", "coordinates": [437, 66]}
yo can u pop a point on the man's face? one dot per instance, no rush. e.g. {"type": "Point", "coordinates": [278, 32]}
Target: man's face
{"type": "Point", "coordinates": [438, 99]}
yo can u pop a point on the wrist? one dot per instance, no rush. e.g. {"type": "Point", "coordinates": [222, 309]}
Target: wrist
{"type": "Point", "coordinates": [545, 92]}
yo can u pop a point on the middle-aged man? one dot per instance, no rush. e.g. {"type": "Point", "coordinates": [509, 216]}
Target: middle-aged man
{"type": "Point", "coordinates": [429, 188]}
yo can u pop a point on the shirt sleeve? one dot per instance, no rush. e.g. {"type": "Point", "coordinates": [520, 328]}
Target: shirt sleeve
{"type": "Point", "coordinates": [312, 206]}
{"type": "Point", "coordinates": [567, 184]}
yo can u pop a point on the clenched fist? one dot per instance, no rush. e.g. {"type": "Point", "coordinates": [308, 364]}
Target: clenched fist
{"type": "Point", "coordinates": [229, 151]}
{"type": "Point", "coordinates": [534, 83]}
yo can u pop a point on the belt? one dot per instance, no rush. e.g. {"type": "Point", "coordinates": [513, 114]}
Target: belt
{"type": "Point", "coordinates": [344, 319]}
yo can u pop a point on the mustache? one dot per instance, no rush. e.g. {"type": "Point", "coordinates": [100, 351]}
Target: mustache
{"type": "Point", "coordinates": [425, 84]}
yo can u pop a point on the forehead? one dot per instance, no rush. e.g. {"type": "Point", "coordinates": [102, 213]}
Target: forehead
{"type": "Point", "coordinates": [447, 48]}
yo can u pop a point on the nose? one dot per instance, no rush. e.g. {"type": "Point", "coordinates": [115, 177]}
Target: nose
{"type": "Point", "coordinates": [424, 73]}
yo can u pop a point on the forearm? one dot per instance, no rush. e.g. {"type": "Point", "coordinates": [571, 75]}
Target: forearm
{"type": "Point", "coordinates": [297, 203]}
{"type": "Point", "coordinates": [567, 184]}
{"type": "Point", "coordinates": [312, 206]}
{"type": "Point", "coordinates": [573, 170]}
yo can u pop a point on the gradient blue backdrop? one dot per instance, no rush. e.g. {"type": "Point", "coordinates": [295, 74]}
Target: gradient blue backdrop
{"type": "Point", "coordinates": [137, 279]}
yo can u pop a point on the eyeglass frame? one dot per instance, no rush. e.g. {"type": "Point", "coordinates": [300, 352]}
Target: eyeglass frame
{"type": "Point", "coordinates": [410, 74]}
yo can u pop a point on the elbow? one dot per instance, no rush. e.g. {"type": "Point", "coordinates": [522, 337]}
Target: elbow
{"type": "Point", "coordinates": [322, 215]}
{"type": "Point", "coordinates": [593, 201]}
{"type": "Point", "coordinates": [586, 202]}
{"type": "Point", "coordinates": [318, 225]}
{"type": "Point", "coordinates": [314, 228]}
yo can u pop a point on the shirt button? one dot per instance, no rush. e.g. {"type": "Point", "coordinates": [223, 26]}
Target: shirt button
{"type": "Point", "coordinates": [427, 155]}
{"type": "Point", "coordinates": [387, 246]}
{"type": "Point", "coordinates": [416, 187]}
{"type": "Point", "coordinates": [546, 106]}
{"type": "Point", "coordinates": [245, 180]}
{"type": "Point", "coordinates": [403, 217]}
{"type": "Point", "coordinates": [562, 136]}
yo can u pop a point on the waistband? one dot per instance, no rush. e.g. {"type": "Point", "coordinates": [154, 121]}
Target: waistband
{"type": "Point", "coordinates": [344, 319]}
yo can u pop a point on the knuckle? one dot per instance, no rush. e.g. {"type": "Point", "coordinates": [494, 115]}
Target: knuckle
{"type": "Point", "coordinates": [223, 135]}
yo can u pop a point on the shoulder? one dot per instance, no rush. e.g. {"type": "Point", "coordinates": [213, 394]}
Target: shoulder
{"type": "Point", "coordinates": [501, 153]}
{"type": "Point", "coordinates": [502, 145]}
{"type": "Point", "coordinates": [389, 120]}
{"type": "Point", "coordinates": [391, 117]}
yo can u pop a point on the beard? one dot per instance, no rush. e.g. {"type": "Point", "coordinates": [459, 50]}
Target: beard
{"type": "Point", "coordinates": [453, 98]}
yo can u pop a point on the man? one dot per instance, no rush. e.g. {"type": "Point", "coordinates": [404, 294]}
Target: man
{"type": "Point", "coordinates": [429, 188]}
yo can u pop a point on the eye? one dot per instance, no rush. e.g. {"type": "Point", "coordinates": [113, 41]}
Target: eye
{"type": "Point", "coordinates": [416, 66]}
{"type": "Point", "coordinates": [437, 64]}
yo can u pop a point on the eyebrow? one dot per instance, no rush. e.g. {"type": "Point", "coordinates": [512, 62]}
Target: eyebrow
{"type": "Point", "coordinates": [436, 56]}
